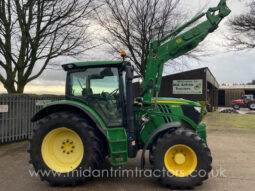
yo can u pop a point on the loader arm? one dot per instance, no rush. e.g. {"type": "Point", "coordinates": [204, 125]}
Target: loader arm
{"type": "Point", "coordinates": [175, 44]}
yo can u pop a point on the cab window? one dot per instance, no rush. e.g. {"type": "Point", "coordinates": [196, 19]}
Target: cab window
{"type": "Point", "coordinates": [99, 88]}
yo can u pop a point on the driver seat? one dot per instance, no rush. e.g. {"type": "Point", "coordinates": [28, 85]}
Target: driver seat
{"type": "Point", "coordinates": [87, 92]}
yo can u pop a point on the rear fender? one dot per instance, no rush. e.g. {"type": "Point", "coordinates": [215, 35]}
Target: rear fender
{"type": "Point", "coordinates": [73, 106]}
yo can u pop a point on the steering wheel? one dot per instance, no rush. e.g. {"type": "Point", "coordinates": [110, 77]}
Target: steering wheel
{"type": "Point", "coordinates": [106, 95]}
{"type": "Point", "coordinates": [113, 92]}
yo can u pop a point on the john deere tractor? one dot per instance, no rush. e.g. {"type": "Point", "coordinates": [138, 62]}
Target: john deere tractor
{"type": "Point", "coordinates": [100, 117]}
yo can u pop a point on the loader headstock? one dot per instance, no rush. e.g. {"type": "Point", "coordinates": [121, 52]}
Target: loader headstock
{"type": "Point", "coordinates": [222, 9]}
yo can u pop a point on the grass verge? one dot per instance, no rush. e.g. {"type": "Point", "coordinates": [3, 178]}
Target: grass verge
{"type": "Point", "coordinates": [227, 121]}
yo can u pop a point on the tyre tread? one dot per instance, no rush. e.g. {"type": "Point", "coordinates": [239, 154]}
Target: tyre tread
{"type": "Point", "coordinates": [96, 145]}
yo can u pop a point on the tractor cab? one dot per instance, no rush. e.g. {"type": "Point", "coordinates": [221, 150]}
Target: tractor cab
{"type": "Point", "coordinates": [99, 89]}
{"type": "Point", "coordinates": [101, 85]}
{"type": "Point", "coordinates": [247, 98]}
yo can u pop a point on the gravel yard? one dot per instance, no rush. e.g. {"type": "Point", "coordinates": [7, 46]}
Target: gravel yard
{"type": "Point", "coordinates": [231, 138]}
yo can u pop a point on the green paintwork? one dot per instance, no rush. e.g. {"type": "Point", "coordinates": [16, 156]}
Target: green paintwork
{"type": "Point", "coordinates": [176, 115]}
{"type": "Point", "coordinates": [160, 52]}
{"type": "Point", "coordinates": [97, 63]}
{"type": "Point", "coordinates": [98, 118]}
{"type": "Point", "coordinates": [175, 100]}
{"type": "Point", "coordinates": [166, 48]}
{"type": "Point", "coordinates": [116, 137]}
{"type": "Point", "coordinates": [201, 130]}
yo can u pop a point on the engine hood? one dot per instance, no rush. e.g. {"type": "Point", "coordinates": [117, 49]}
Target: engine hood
{"type": "Point", "coordinates": [238, 101]}
{"type": "Point", "coordinates": [177, 101]}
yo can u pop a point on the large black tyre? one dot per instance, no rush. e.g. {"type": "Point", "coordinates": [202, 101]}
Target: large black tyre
{"type": "Point", "coordinates": [236, 106]}
{"type": "Point", "coordinates": [90, 157]}
{"type": "Point", "coordinates": [190, 140]}
{"type": "Point", "coordinates": [251, 105]}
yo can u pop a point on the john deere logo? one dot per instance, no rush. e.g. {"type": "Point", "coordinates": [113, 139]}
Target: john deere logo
{"type": "Point", "coordinates": [178, 41]}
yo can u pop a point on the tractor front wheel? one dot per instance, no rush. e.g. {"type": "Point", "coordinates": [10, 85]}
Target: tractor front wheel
{"type": "Point", "coordinates": [63, 148]}
{"type": "Point", "coordinates": [181, 159]}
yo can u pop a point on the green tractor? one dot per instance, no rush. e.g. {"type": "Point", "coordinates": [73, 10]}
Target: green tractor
{"type": "Point", "coordinates": [100, 117]}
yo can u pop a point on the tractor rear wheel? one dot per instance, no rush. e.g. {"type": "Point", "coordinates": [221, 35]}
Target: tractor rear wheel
{"type": "Point", "coordinates": [251, 106]}
{"type": "Point", "coordinates": [63, 148]}
{"type": "Point", "coordinates": [181, 159]}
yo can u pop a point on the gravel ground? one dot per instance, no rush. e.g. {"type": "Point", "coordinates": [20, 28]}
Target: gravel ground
{"type": "Point", "coordinates": [233, 152]}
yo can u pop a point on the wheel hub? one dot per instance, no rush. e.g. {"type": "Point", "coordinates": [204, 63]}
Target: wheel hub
{"type": "Point", "coordinates": [62, 150]}
{"type": "Point", "coordinates": [180, 160]}
{"type": "Point", "coordinates": [68, 146]}
{"type": "Point", "coordinates": [253, 105]}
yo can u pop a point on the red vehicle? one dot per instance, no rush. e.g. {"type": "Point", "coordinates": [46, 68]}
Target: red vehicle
{"type": "Point", "coordinates": [246, 101]}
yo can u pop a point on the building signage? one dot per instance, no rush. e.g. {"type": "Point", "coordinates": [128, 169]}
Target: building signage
{"type": "Point", "coordinates": [187, 86]}
{"type": "Point", "coordinates": [3, 108]}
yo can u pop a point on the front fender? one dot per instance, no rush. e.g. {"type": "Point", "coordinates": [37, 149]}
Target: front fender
{"type": "Point", "coordinates": [74, 106]}
{"type": "Point", "coordinates": [157, 131]}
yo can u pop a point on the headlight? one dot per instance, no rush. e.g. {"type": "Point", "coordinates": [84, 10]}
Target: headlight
{"type": "Point", "coordinates": [198, 109]}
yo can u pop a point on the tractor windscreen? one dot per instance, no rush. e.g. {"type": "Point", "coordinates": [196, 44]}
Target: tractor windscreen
{"type": "Point", "coordinates": [99, 88]}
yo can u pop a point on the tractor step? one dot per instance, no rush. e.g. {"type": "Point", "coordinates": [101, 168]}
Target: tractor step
{"type": "Point", "coordinates": [117, 139]}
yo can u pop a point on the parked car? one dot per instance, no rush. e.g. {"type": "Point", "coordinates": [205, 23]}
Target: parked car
{"type": "Point", "coordinates": [208, 107]}
{"type": "Point", "coordinates": [247, 101]}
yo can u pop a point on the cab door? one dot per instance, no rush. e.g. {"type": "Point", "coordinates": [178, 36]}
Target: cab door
{"type": "Point", "coordinates": [99, 88]}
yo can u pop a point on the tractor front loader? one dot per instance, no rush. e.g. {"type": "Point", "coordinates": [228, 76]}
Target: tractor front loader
{"type": "Point", "coordinates": [100, 117]}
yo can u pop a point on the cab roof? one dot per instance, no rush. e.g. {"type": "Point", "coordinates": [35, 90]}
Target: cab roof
{"type": "Point", "coordinates": [91, 64]}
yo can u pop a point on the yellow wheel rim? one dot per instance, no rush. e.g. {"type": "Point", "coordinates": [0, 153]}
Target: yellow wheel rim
{"type": "Point", "coordinates": [180, 160]}
{"type": "Point", "coordinates": [62, 150]}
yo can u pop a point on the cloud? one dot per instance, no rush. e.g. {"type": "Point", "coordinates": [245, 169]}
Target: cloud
{"type": "Point", "coordinates": [233, 67]}
{"type": "Point", "coordinates": [226, 67]}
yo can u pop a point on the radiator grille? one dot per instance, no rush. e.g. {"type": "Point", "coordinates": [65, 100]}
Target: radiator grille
{"type": "Point", "coordinates": [164, 108]}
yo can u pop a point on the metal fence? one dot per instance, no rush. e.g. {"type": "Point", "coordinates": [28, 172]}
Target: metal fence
{"type": "Point", "coordinates": [16, 112]}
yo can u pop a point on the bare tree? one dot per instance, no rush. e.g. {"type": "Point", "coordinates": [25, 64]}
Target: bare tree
{"type": "Point", "coordinates": [33, 32]}
{"type": "Point", "coordinates": [134, 25]}
{"type": "Point", "coordinates": [251, 83]}
{"type": "Point", "coordinates": [242, 28]}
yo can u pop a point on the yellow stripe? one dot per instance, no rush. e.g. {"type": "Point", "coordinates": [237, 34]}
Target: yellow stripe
{"type": "Point", "coordinates": [174, 102]}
